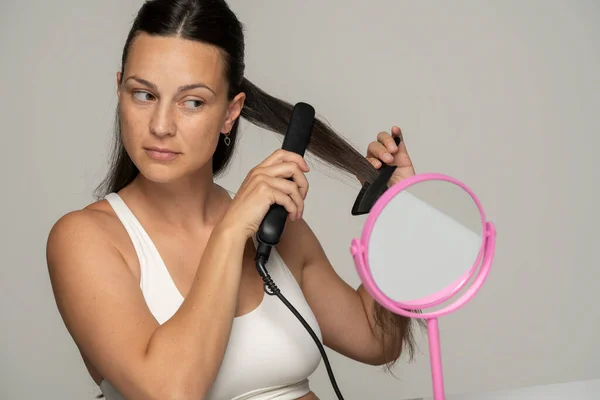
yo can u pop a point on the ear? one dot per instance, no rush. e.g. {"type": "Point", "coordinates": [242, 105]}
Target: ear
{"type": "Point", "coordinates": [119, 85]}
{"type": "Point", "coordinates": [233, 112]}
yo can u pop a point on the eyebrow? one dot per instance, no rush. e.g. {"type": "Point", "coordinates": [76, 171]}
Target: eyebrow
{"type": "Point", "coordinates": [179, 89]}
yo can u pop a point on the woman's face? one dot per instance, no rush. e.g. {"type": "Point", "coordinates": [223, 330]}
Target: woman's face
{"type": "Point", "coordinates": [173, 106]}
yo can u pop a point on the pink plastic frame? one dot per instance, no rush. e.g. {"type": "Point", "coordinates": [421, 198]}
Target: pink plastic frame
{"type": "Point", "coordinates": [360, 248]}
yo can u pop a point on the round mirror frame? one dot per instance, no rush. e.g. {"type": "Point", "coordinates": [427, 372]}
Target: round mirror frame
{"type": "Point", "coordinates": [360, 247]}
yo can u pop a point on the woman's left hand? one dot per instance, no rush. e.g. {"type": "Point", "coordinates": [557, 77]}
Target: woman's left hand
{"type": "Point", "coordinates": [384, 150]}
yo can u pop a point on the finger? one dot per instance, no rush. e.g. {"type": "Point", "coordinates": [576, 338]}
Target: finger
{"type": "Point", "coordinates": [388, 141]}
{"type": "Point", "coordinates": [263, 187]}
{"type": "Point", "coordinates": [402, 157]}
{"type": "Point", "coordinates": [286, 170]}
{"type": "Point", "coordinates": [287, 202]}
{"type": "Point", "coordinates": [283, 192]}
{"type": "Point", "coordinates": [375, 162]}
{"type": "Point", "coordinates": [293, 192]}
{"type": "Point", "coordinates": [396, 131]}
{"type": "Point", "coordinates": [378, 150]}
{"type": "Point", "coordinates": [402, 152]}
{"type": "Point", "coordinates": [280, 155]}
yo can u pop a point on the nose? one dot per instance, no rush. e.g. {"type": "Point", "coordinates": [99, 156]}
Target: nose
{"type": "Point", "coordinates": [163, 121]}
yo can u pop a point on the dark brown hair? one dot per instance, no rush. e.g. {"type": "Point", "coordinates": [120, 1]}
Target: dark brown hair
{"type": "Point", "coordinates": [213, 22]}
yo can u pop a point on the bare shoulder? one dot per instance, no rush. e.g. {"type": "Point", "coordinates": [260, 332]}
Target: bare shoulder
{"type": "Point", "coordinates": [86, 244]}
{"type": "Point", "coordinates": [90, 227]}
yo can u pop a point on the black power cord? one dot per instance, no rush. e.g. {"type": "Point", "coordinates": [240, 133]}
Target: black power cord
{"type": "Point", "coordinates": [262, 255]}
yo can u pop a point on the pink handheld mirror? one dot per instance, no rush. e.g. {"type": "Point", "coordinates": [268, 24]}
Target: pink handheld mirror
{"type": "Point", "coordinates": [424, 239]}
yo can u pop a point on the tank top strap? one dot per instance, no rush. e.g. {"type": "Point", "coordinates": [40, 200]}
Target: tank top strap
{"type": "Point", "coordinates": [159, 289]}
{"type": "Point", "coordinates": [134, 228]}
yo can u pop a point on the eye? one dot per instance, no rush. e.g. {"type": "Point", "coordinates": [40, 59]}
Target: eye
{"type": "Point", "coordinates": [193, 104]}
{"type": "Point", "coordinates": [142, 95]}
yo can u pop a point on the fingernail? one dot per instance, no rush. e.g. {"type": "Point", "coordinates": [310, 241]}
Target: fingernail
{"type": "Point", "coordinates": [388, 157]}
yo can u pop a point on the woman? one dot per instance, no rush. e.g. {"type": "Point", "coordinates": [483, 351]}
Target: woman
{"type": "Point", "coordinates": [156, 281]}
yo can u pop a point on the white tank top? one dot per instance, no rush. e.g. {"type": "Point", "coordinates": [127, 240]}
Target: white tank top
{"type": "Point", "coordinates": [269, 355]}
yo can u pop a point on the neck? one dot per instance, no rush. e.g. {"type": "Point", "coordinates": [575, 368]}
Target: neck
{"type": "Point", "coordinates": [188, 203]}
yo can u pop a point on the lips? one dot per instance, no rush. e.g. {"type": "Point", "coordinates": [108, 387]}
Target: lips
{"type": "Point", "coordinates": [161, 154]}
{"type": "Point", "coordinates": [160, 150]}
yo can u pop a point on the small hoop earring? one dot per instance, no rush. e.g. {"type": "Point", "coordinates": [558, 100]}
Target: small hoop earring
{"type": "Point", "coordinates": [227, 140]}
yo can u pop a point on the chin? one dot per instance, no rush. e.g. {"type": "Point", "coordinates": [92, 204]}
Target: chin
{"type": "Point", "coordinates": [162, 173]}
{"type": "Point", "coordinates": [168, 173]}
{"type": "Point", "coordinates": [160, 178]}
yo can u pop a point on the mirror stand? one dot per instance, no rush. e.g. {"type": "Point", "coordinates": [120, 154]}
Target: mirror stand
{"type": "Point", "coordinates": [435, 358]}
{"type": "Point", "coordinates": [439, 254]}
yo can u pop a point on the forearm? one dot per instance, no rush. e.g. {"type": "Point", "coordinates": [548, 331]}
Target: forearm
{"type": "Point", "coordinates": [191, 345]}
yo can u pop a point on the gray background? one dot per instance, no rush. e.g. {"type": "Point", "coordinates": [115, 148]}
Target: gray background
{"type": "Point", "coordinates": [501, 95]}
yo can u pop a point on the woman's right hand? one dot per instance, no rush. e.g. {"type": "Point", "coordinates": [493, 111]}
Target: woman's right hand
{"type": "Point", "coordinates": [265, 185]}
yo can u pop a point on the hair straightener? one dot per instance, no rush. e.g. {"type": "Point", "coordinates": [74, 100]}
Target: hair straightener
{"type": "Point", "coordinates": [269, 233]}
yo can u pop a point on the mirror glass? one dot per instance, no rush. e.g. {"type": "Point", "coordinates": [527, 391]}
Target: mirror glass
{"type": "Point", "coordinates": [424, 240]}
